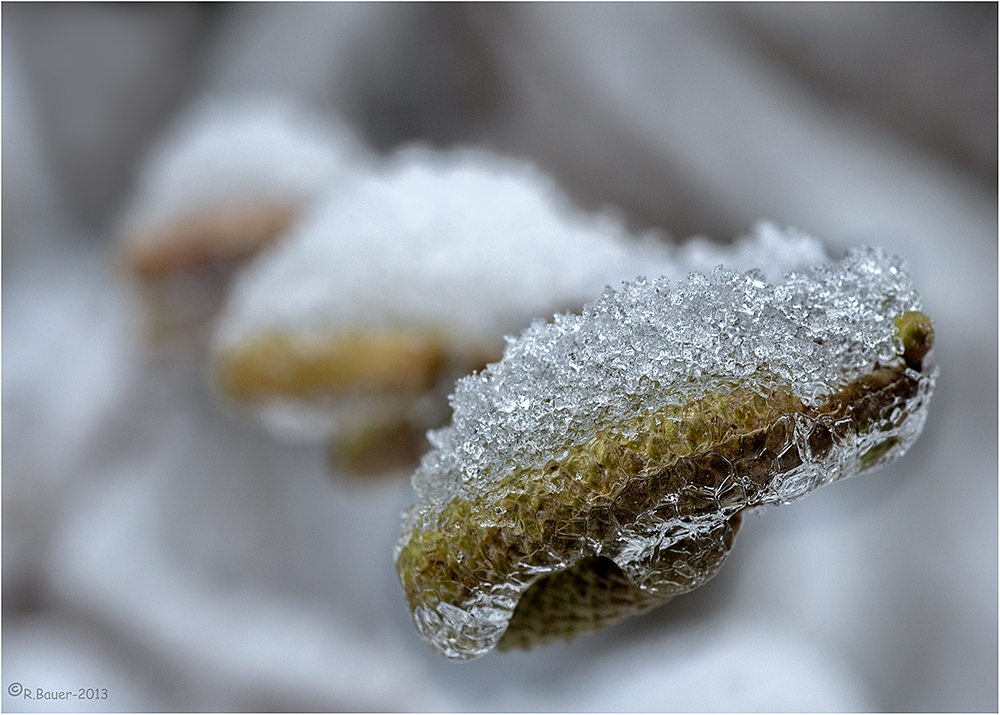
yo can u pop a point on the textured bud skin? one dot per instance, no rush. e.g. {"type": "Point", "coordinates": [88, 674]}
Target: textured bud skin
{"type": "Point", "coordinates": [535, 558]}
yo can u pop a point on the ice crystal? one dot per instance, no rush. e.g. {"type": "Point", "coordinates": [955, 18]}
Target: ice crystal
{"type": "Point", "coordinates": [609, 454]}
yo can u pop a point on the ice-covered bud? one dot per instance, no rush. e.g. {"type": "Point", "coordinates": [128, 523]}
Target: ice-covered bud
{"type": "Point", "coordinates": [604, 464]}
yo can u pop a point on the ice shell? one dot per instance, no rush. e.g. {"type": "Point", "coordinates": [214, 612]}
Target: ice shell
{"type": "Point", "coordinates": [736, 391]}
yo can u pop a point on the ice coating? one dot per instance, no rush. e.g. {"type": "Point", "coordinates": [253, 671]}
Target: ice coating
{"type": "Point", "coordinates": [627, 440]}
{"type": "Point", "coordinates": [560, 381]}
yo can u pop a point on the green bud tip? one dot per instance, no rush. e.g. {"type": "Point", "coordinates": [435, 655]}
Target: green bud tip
{"type": "Point", "coordinates": [917, 335]}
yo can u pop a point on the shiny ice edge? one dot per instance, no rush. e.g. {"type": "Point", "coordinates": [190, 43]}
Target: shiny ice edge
{"type": "Point", "coordinates": [753, 393]}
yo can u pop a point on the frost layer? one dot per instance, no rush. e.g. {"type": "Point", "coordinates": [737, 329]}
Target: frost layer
{"type": "Point", "coordinates": [602, 466]}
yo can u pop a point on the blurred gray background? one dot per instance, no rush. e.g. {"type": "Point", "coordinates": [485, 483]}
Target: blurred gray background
{"type": "Point", "coordinates": [152, 548]}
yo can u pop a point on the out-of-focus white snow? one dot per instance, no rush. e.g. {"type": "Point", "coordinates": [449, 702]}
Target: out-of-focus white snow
{"type": "Point", "coordinates": [230, 153]}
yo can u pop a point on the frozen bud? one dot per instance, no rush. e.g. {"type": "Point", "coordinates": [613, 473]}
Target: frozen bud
{"type": "Point", "coordinates": [603, 465]}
